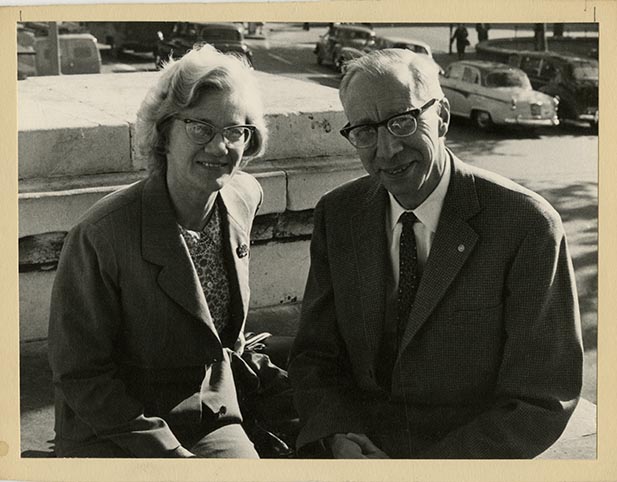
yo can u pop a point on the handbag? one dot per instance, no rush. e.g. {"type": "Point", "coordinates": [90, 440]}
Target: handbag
{"type": "Point", "coordinates": [266, 399]}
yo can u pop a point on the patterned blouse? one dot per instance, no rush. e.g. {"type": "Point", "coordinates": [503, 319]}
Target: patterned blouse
{"type": "Point", "coordinates": [208, 255]}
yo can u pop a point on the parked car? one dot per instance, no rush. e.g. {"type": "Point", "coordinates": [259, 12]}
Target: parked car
{"type": "Point", "coordinates": [135, 36]}
{"type": "Point", "coordinates": [339, 36]}
{"type": "Point", "coordinates": [491, 93]}
{"type": "Point", "coordinates": [347, 53]}
{"type": "Point", "coordinates": [574, 80]}
{"type": "Point", "coordinates": [226, 37]}
{"type": "Point", "coordinates": [78, 54]}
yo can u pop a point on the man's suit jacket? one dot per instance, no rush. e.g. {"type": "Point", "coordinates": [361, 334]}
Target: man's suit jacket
{"type": "Point", "coordinates": [133, 349]}
{"type": "Point", "coordinates": [490, 364]}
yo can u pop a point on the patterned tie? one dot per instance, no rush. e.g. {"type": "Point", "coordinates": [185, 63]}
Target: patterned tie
{"type": "Point", "coordinates": [408, 272]}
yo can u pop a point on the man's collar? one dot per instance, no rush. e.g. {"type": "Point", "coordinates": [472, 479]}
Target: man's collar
{"type": "Point", "coordinates": [429, 211]}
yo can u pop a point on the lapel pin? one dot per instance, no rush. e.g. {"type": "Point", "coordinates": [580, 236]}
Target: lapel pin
{"type": "Point", "coordinates": [461, 248]}
{"type": "Point", "coordinates": [242, 250]}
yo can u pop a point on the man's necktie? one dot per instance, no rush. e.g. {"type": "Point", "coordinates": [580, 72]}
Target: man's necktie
{"type": "Point", "coordinates": [408, 272]}
{"type": "Point", "coordinates": [407, 287]}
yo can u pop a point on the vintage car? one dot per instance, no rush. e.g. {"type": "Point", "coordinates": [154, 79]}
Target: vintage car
{"type": "Point", "coordinates": [340, 36]}
{"type": "Point", "coordinates": [347, 53]}
{"type": "Point", "coordinates": [226, 37]}
{"type": "Point", "coordinates": [491, 93]}
{"type": "Point", "coordinates": [79, 54]}
{"type": "Point", "coordinates": [575, 82]}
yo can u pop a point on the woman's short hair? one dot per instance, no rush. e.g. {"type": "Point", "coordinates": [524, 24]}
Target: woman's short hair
{"type": "Point", "coordinates": [180, 85]}
{"type": "Point", "coordinates": [420, 71]}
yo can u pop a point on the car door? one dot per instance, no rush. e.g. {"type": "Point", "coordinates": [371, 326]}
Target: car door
{"type": "Point", "coordinates": [456, 89]}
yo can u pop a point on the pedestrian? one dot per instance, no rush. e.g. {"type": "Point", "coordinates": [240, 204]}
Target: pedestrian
{"type": "Point", "coordinates": [482, 31]}
{"type": "Point", "coordinates": [461, 36]}
{"type": "Point", "coordinates": [440, 317]}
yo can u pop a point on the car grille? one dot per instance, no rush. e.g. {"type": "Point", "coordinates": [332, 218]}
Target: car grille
{"type": "Point", "coordinates": [536, 109]}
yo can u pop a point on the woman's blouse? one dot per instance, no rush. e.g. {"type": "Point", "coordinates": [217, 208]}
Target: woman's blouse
{"type": "Point", "coordinates": [207, 253]}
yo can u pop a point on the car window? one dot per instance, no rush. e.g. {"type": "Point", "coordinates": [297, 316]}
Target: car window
{"type": "Point", "coordinates": [585, 70]}
{"type": "Point", "coordinates": [455, 72]}
{"type": "Point", "coordinates": [217, 34]}
{"type": "Point", "coordinates": [531, 65]}
{"type": "Point", "coordinates": [82, 52]}
{"type": "Point", "coordinates": [507, 78]}
{"type": "Point", "coordinates": [548, 69]}
{"type": "Point", "coordinates": [471, 75]}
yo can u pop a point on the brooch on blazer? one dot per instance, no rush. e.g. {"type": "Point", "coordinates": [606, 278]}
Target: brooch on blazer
{"type": "Point", "coordinates": [242, 250]}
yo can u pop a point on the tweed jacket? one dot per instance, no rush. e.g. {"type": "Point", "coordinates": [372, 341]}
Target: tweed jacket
{"type": "Point", "coordinates": [133, 350]}
{"type": "Point", "coordinates": [490, 364]}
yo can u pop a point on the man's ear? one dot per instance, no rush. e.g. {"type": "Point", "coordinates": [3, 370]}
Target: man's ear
{"type": "Point", "coordinates": [444, 116]}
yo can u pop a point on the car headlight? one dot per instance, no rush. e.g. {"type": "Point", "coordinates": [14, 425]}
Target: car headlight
{"type": "Point", "coordinates": [556, 100]}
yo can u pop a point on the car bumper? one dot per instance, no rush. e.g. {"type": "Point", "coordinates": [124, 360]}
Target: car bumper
{"type": "Point", "coordinates": [589, 117]}
{"type": "Point", "coordinates": [526, 121]}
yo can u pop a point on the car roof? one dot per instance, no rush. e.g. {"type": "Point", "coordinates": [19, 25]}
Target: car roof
{"type": "Point", "coordinates": [405, 40]}
{"type": "Point", "coordinates": [61, 36]}
{"type": "Point", "coordinates": [221, 25]}
{"type": "Point", "coordinates": [485, 65]}
{"type": "Point", "coordinates": [357, 28]}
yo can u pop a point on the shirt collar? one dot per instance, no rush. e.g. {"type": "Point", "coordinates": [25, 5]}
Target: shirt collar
{"type": "Point", "coordinates": [429, 211]}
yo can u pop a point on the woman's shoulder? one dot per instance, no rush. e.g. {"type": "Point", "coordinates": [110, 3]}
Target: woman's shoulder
{"type": "Point", "coordinates": [122, 199]}
{"type": "Point", "coordinates": [246, 187]}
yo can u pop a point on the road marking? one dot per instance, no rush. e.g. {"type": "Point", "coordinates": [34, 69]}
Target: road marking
{"type": "Point", "coordinates": [280, 59]}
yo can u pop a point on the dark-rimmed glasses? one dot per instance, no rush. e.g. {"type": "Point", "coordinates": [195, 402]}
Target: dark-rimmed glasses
{"type": "Point", "coordinates": [201, 132]}
{"type": "Point", "coordinates": [403, 124]}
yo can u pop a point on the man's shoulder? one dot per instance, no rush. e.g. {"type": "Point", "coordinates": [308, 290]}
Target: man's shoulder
{"type": "Point", "coordinates": [509, 199]}
{"type": "Point", "coordinates": [351, 192]}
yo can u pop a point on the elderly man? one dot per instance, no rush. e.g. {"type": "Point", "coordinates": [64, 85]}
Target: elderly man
{"type": "Point", "coordinates": [440, 318]}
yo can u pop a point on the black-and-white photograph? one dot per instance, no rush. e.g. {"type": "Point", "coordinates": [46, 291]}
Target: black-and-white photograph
{"type": "Point", "coordinates": [308, 240]}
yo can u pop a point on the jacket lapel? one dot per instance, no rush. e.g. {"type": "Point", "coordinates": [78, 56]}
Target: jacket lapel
{"type": "Point", "coordinates": [239, 220]}
{"type": "Point", "coordinates": [162, 245]}
{"type": "Point", "coordinates": [454, 241]}
{"type": "Point", "coordinates": [372, 260]}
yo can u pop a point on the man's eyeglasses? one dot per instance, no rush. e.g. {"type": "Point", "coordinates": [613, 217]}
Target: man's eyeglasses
{"type": "Point", "coordinates": [201, 132]}
{"type": "Point", "coordinates": [399, 125]}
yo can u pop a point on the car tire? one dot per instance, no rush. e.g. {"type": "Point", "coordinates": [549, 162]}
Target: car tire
{"type": "Point", "coordinates": [482, 120]}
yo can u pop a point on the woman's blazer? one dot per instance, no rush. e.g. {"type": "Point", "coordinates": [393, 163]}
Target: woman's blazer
{"type": "Point", "coordinates": [132, 346]}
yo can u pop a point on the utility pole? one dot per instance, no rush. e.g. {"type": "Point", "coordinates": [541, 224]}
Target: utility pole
{"type": "Point", "coordinates": [450, 41]}
{"type": "Point", "coordinates": [54, 48]}
{"type": "Point", "coordinates": [539, 31]}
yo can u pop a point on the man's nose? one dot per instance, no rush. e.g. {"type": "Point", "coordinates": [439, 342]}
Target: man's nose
{"type": "Point", "coordinates": [217, 145]}
{"type": "Point", "coordinates": [387, 144]}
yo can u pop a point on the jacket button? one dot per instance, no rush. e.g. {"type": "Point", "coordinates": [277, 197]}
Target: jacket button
{"type": "Point", "coordinates": [222, 410]}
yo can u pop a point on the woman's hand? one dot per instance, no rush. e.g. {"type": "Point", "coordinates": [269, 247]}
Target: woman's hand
{"type": "Point", "coordinates": [355, 446]}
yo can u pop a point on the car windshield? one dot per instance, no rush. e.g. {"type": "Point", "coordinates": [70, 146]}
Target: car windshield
{"type": "Point", "coordinates": [216, 34]}
{"type": "Point", "coordinates": [585, 70]}
{"type": "Point", "coordinates": [354, 35]}
{"type": "Point", "coordinates": [507, 78]}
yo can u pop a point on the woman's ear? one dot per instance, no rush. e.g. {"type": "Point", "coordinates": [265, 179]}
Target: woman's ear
{"type": "Point", "coordinates": [444, 116]}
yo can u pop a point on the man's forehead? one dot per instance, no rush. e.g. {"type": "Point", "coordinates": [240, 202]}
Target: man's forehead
{"type": "Point", "coordinates": [391, 85]}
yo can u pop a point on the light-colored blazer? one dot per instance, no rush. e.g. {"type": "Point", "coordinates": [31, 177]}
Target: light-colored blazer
{"type": "Point", "coordinates": [133, 349]}
{"type": "Point", "coordinates": [490, 365]}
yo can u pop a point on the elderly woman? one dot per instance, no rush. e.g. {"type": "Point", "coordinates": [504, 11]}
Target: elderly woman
{"type": "Point", "coordinates": [152, 288]}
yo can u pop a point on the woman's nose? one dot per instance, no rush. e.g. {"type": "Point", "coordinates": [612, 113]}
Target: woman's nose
{"type": "Point", "coordinates": [217, 145]}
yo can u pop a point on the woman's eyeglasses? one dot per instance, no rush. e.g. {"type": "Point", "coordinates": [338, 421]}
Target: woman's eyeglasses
{"type": "Point", "coordinates": [399, 125]}
{"type": "Point", "coordinates": [201, 132]}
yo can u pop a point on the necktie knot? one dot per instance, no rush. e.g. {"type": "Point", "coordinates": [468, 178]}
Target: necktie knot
{"type": "Point", "coordinates": [408, 218]}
